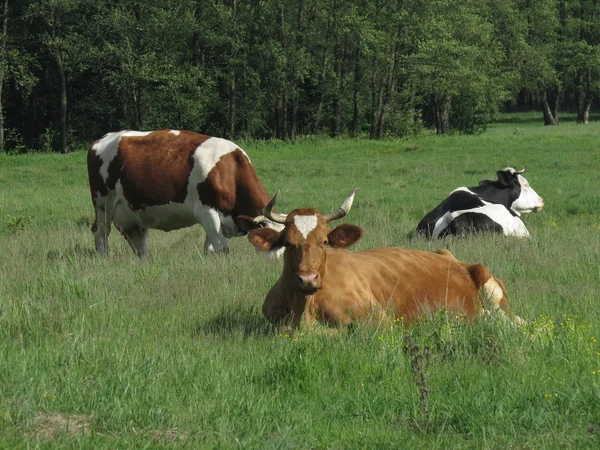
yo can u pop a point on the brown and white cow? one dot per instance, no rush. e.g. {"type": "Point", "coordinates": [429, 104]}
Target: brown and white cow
{"type": "Point", "coordinates": [324, 282]}
{"type": "Point", "coordinates": [170, 179]}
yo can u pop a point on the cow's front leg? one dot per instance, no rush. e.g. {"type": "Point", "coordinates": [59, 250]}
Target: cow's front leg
{"type": "Point", "coordinates": [104, 207]}
{"type": "Point", "coordinates": [211, 222]}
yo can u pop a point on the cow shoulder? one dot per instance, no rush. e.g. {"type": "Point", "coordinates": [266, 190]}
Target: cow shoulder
{"type": "Point", "coordinates": [226, 180]}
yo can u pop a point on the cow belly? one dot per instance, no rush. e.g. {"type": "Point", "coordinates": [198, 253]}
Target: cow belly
{"type": "Point", "coordinates": [397, 282]}
{"type": "Point", "coordinates": [171, 216]}
{"type": "Point", "coordinates": [488, 218]}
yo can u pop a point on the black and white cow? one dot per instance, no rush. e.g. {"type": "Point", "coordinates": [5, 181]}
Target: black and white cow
{"type": "Point", "coordinates": [493, 206]}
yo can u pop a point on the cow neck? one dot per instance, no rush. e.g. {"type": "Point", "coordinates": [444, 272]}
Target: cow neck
{"type": "Point", "coordinates": [494, 193]}
{"type": "Point", "coordinates": [252, 196]}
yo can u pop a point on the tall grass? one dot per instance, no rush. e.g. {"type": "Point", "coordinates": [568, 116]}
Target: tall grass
{"type": "Point", "coordinates": [173, 350]}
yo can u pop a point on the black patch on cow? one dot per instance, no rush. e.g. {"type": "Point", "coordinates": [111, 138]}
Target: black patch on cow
{"type": "Point", "coordinates": [504, 191]}
{"type": "Point", "coordinates": [471, 223]}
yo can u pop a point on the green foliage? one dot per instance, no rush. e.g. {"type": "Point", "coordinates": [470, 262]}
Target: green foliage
{"type": "Point", "coordinates": [289, 68]}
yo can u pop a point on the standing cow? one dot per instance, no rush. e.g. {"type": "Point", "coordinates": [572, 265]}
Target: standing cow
{"type": "Point", "coordinates": [493, 206]}
{"type": "Point", "coordinates": [322, 281]}
{"type": "Point", "coordinates": [170, 179]}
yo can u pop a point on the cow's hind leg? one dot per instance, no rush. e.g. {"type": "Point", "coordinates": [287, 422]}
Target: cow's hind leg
{"type": "Point", "coordinates": [215, 240]}
{"type": "Point", "coordinates": [105, 208]}
{"type": "Point", "coordinates": [492, 292]}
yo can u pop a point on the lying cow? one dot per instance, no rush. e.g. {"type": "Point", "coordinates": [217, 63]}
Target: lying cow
{"type": "Point", "coordinates": [493, 206]}
{"type": "Point", "coordinates": [322, 281]}
{"type": "Point", "coordinates": [171, 179]}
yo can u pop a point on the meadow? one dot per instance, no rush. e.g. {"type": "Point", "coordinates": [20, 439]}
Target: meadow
{"type": "Point", "coordinates": [173, 350]}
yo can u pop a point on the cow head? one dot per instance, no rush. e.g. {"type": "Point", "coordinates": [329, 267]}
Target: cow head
{"type": "Point", "coordinates": [524, 198]}
{"type": "Point", "coordinates": [247, 224]}
{"type": "Point", "coordinates": [306, 237]}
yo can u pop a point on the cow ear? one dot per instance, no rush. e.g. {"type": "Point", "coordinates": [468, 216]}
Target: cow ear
{"type": "Point", "coordinates": [246, 223]}
{"type": "Point", "coordinates": [344, 235]}
{"type": "Point", "coordinates": [265, 239]}
{"type": "Point", "coordinates": [506, 178]}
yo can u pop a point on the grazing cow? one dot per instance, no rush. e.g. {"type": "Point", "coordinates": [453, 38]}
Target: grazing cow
{"type": "Point", "coordinates": [493, 206]}
{"type": "Point", "coordinates": [322, 281]}
{"type": "Point", "coordinates": [171, 179]}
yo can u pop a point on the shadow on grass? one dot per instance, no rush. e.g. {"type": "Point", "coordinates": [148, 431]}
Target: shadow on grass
{"type": "Point", "coordinates": [84, 222]}
{"type": "Point", "coordinates": [235, 320]}
{"type": "Point", "coordinates": [77, 252]}
{"type": "Point", "coordinates": [535, 117]}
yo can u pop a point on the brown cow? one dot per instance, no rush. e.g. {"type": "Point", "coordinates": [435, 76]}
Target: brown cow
{"type": "Point", "coordinates": [322, 281]}
{"type": "Point", "coordinates": [171, 179]}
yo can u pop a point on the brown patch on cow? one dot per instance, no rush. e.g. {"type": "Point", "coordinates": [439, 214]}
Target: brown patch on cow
{"type": "Point", "coordinates": [155, 169]}
{"type": "Point", "coordinates": [233, 187]}
{"type": "Point", "coordinates": [479, 274]}
{"type": "Point", "coordinates": [51, 425]}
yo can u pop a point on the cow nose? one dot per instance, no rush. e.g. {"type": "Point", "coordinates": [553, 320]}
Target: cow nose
{"type": "Point", "coordinates": [540, 204]}
{"type": "Point", "coordinates": [310, 279]}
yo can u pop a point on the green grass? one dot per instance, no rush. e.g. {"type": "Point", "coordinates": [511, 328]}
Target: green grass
{"type": "Point", "coordinates": [173, 350]}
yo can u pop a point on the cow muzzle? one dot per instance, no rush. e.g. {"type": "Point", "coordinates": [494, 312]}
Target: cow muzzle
{"type": "Point", "coordinates": [540, 204]}
{"type": "Point", "coordinates": [308, 282]}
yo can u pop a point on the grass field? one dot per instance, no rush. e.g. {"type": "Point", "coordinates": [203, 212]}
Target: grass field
{"type": "Point", "coordinates": [173, 351]}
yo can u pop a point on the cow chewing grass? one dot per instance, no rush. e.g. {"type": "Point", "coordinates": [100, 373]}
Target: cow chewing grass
{"type": "Point", "coordinates": [172, 179]}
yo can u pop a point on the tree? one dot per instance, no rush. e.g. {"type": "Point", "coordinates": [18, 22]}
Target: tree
{"type": "Point", "coordinates": [460, 65]}
{"type": "Point", "coordinates": [579, 52]}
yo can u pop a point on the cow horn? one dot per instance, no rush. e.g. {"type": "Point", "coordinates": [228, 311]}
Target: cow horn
{"type": "Point", "coordinates": [268, 211]}
{"type": "Point", "coordinates": [342, 210]}
{"type": "Point", "coordinates": [520, 171]}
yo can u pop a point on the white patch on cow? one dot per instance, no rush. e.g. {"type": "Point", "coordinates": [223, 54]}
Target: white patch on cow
{"type": "Point", "coordinates": [208, 154]}
{"type": "Point", "coordinates": [493, 294]}
{"type": "Point", "coordinates": [528, 199]}
{"type": "Point", "coordinates": [511, 225]}
{"type": "Point", "coordinates": [175, 132]}
{"type": "Point", "coordinates": [107, 148]}
{"type": "Point", "coordinates": [463, 189]}
{"type": "Point", "coordinates": [167, 217]}
{"type": "Point", "coordinates": [305, 224]}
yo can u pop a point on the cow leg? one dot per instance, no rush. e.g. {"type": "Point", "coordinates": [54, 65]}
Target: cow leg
{"type": "Point", "coordinates": [211, 222]}
{"type": "Point", "coordinates": [493, 293]}
{"type": "Point", "coordinates": [105, 208]}
{"type": "Point", "coordinates": [136, 235]}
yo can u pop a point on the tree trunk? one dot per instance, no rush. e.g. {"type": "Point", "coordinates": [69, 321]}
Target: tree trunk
{"type": "Point", "coordinates": [63, 147]}
{"type": "Point", "coordinates": [293, 109]}
{"type": "Point", "coordinates": [583, 107]}
{"type": "Point", "coordinates": [280, 115]}
{"type": "Point", "coordinates": [3, 37]}
{"type": "Point", "coordinates": [549, 118]}
{"type": "Point", "coordinates": [232, 76]}
{"type": "Point", "coordinates": [442, 113]}
{"type": "Point", "coordinates": [356, 87]}
{"type": "Point", "coordinates": [341, 69]}
{"type": "Point", "coordinates": [232, 105]}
